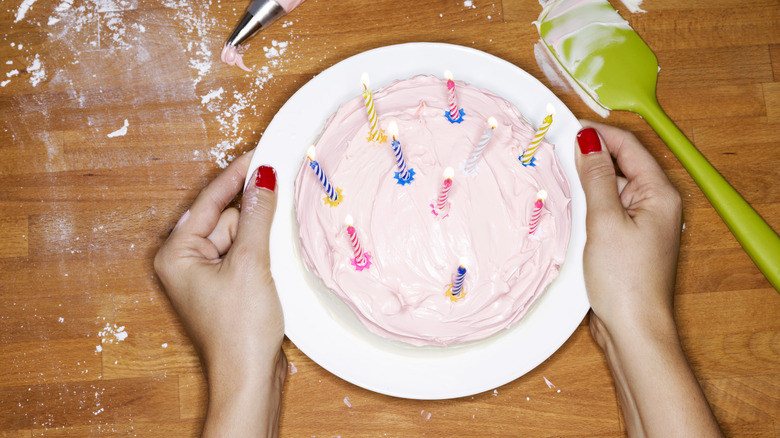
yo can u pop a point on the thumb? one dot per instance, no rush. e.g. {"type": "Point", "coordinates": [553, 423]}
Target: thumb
{"type": "Point", "coordinates": [597, 174]}
{"type": "Point", "coordinates": [258, 205]}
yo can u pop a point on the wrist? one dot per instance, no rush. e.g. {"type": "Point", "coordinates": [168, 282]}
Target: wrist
{"type": "Point", "coordinates": [245, 397]}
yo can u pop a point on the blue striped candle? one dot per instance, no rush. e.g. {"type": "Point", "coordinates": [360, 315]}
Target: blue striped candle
{"type": "Point", "coordinates": [392, 129]}
{"type": "Point", "coordinates": [457, 285]}
{"type": "Point", "coordinates": [329, 190]}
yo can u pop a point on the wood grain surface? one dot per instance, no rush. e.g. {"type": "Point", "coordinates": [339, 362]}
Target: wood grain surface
{"type": "Point", "coordinates": [89, 344]}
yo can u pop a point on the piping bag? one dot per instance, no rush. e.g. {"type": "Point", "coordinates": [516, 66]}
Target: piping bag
{"type": "Point", "coordinates": [259, 15]}
{"type": "Point", "coordinates": [612, 68]}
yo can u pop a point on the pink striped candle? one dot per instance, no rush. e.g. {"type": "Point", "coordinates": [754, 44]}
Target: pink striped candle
{"type": "Point", "coordinates": [455, 114]}
{"type": "Point", "coordinates": [454, 110]}
{"type": "Point", "coordinates": [537, 213]}
{"type": "Point", "coordinates": [362, 260]}
{"type": "Point", "coordinates": [444, 193]}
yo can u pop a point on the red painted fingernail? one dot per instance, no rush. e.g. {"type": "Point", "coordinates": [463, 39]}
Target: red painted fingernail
{"type": "Point", "coordinates": [589, 141]}
{"type": "Point", "coordinates": [266, 178]}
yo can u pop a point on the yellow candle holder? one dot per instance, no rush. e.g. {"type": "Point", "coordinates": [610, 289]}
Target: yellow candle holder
{"type": "Point", "coordinates": [455, 298]}
{"type": "Point", "coordinates": [331, 202]}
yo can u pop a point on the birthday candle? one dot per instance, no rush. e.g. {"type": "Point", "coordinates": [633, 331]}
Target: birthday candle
{"type": "Point", "coordinates": [537, 213]}
{"type": "Point", "coordinates": [374, 133]}
{"type": "Point", "coordinates": [441, 202]}
{"type": "Point", "coordinates": [329, 190]}
{"type": "Point", "coordinates": [454, 114]}
{"type": "Point", "coordinates": [392, 129]}
{"type": "Point", "coordinates": [457, 285]}
{"type": "Point", "coordinates": [454, 110]}
{"type": "Point", "coordinates": [360, 258]}
{"type": "Point", "coordinates": [528, 155]}
{"type": "Point", "coordinates": [471, 162]}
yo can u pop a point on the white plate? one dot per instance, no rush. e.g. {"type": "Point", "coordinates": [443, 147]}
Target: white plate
{"type": "Point", "coordinates": [324, 328]}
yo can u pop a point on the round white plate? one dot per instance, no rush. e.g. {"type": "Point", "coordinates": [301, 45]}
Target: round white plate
{"type": "Point", "coordinates": [324, 328]}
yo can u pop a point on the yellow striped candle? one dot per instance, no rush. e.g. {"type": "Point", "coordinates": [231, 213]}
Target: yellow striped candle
{"type": "Point", "coordinates": [374, 133]}
{"type": "Point", "coordinates": [528, 155]}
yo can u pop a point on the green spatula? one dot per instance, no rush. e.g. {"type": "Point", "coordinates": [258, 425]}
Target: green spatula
{"type": "Point", "coordinates": [614, 68]}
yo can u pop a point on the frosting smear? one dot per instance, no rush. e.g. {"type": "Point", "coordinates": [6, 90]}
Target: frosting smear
{"type": "Point", "coordinates": [232, 56]}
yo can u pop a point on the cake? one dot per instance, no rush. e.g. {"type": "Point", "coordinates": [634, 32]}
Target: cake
{"type": "Point", "coordinates": [414, 253]}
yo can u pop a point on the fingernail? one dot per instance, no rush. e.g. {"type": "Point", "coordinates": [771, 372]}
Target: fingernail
{"type": "Point", "coordinates": [589, 141]}
{"type": "Point", "coordinates": [266, 178]}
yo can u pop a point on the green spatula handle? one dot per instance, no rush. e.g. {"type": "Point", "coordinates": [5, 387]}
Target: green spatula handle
{"type": "Point", "coordinates": [758, 239]}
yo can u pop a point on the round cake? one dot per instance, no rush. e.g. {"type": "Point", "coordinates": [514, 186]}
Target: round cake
{"type": "Point", "coordinates": [413, 253]}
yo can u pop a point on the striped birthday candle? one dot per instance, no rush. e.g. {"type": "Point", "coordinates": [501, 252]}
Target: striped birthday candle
{"type": "Point", "coordinates": [329, 189]}
{"type": "Point", "coordinates": [528, 156]}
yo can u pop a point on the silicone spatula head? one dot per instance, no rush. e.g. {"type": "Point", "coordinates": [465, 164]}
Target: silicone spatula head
{"type": "Point", "coordinates": [600, 52]}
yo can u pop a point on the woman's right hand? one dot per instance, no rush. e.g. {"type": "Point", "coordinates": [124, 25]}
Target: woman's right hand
{"type": "Point", "coordinates": [630, 261]}
{"type": "Point", "coordinates": [633, 227]}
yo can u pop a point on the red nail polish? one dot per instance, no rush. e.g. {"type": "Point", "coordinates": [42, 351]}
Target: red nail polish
{"type": "Point", "coordinates": [266, 178]}
{"type": "Point", "coordinates": [589, 141]}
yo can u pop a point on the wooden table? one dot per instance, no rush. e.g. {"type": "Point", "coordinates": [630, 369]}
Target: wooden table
{"type": "Point", "coordinates": [89, 343]}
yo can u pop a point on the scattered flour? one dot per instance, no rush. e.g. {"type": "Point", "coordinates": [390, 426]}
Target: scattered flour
{"type": "Point", "coordinates": [36, 70]}
{"type": "Point", "coordinates": [165, 345]}
{"type": "Point", "coordinates": [549, 383]}
{"type": "Point", "coordinates": [121, 131]}
{"type": "Point", "coordinates": [4, 83]}
{"type": "Point", "coordinates": [276, 49]}
{"type": "Point", "coordinates": [291, 368]}
{"type": "Point", "coordinates": [199, 23]}
{"type": "Point", "coordinates": [633, 5]}
{"type": "Point", "coordinates": [213, 94]}
{"type": "Point", "coordinates": [347, 402]}
{"type": "Point", "coordinates": [22, 11]}
{"type": "Point", "coordinates": [61, 320]}
{"type": "Point", "coordinates": [64, 6]}
{"type": "Point", "coordinates": [110, 333]}
{"type": "Point", "coordinates": [12, 73]}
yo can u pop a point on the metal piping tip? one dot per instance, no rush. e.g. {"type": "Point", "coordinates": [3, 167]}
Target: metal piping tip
{"type": "Point", "coordinates": [259, 15]}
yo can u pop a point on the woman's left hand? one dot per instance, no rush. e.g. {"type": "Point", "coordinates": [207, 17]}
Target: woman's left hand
{"type": "Point", "coordinates": [216, 270]}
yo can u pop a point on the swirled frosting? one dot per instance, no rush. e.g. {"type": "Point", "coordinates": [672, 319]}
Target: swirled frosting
{"type": "Point", "coordinates": [414, 253]}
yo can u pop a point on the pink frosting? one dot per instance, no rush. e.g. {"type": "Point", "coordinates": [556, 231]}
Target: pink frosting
{"type": "Point", "coordinates": [289, 5]}
{"type": "Point", "coordinates": [231, 56]}
{"type": "Point", "coordinates": [414, 253]}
